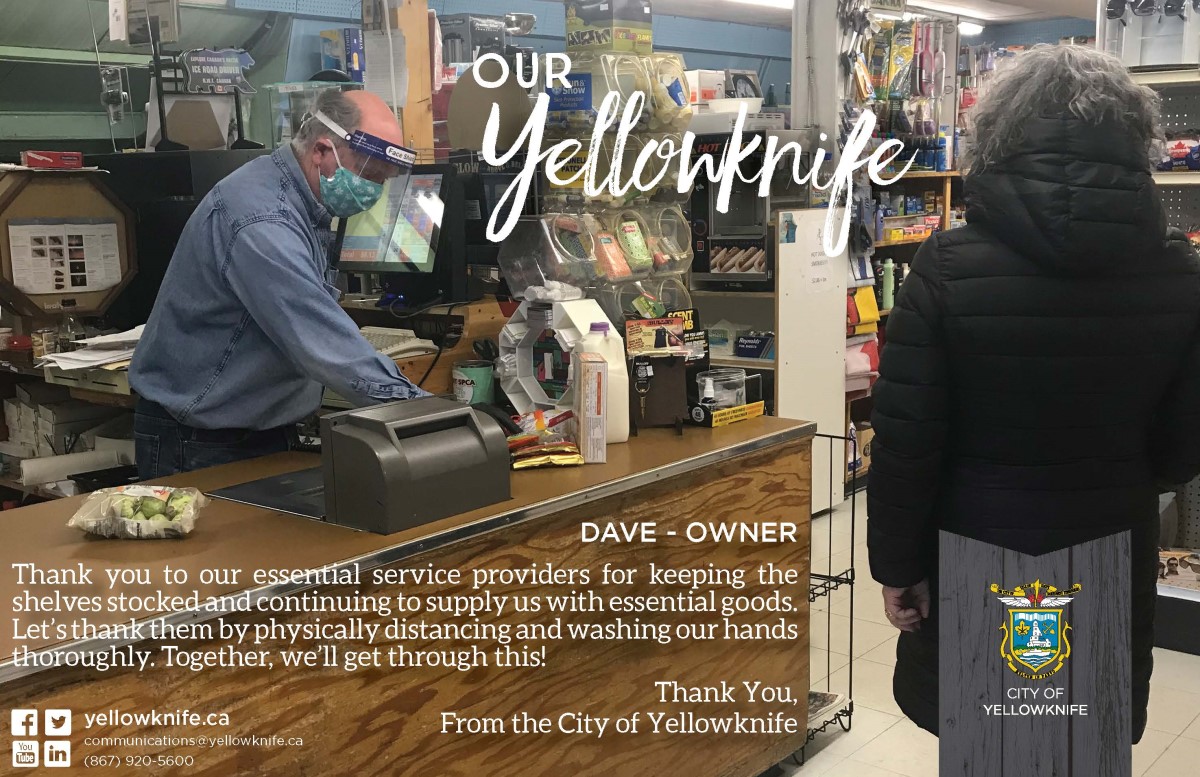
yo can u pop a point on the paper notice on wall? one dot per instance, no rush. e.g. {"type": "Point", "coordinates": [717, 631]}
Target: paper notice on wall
{"type": "Point", "coordinates": [381, 62]}
{"type": "Point", "coordinates": [118, 19]}
{"type": "Point", "coordinates": [801, 235]}
{"type": "Point", "coordinates": [51, 256]}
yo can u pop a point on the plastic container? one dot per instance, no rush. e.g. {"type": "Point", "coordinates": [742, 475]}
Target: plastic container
{"type": "Point", "coordinates": [734, 104]}
{"type": "Point", "coordinates": [593, 77]}
{"type": "Point", "coordinates": [667, 189]}
{"type": "Point", "coordinates": [602, 340]}
{"type": "Point", "coordinates": [726, 386]}
{"type": "Point", "coordinates": [671, 110]}
{"type": "Point", "coordinates": [574, 197]}
{"type": "Point", "coordinates": [546, 252]}
{"type": "Point", "coordinates": [670, 240]}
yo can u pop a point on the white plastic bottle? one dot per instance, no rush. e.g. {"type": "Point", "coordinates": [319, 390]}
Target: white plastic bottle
{"type": "Point", "coordinates": [603, 341]}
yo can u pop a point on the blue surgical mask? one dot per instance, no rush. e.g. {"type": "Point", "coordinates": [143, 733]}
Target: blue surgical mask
{"type": "Point", "coordinates": [345, 194]}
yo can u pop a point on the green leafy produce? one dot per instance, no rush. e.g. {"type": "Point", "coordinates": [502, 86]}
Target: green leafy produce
{"type": "Point", "coordinates": [151, 506]}
{"type": "Point", "coordinates": [126, 507]}
{"type": "Point", "coordinates": [178, 503]}
{"type": "Point", "coordinates": [138, 516]}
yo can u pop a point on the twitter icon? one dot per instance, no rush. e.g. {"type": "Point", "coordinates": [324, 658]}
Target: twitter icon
{"type": "Point", "coordinates": [58, 723]}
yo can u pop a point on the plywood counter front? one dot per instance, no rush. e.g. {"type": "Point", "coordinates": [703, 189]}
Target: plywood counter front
{"type": "Point", "coordinates": [388, 721]}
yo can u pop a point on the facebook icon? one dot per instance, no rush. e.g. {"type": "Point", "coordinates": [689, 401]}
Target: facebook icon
{"type": "Point", "coordinates": [24, 723]}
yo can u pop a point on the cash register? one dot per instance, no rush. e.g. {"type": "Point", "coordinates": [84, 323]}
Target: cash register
{"type": "Point", "coordinates": [393, 467]}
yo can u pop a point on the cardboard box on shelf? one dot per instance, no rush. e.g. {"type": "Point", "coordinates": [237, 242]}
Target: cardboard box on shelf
{"type": "Point", "coordinates": [706, 85]}
{"type": "Point", "coordinates": [63, 436]}
{"type": "Point", "coordinates": [342, 49]}
{"type": "Point", "coordinates": [118, 428]}
{"type": "Point", "coordinates": [123, 447]}
{"type": "Point", "coordinates": [75, 410]}
{"type": "Point", "coordinates": [610, 25]}
{"type": "Point", "coordinates": [591, 411]}
{"type": "Point", "coordinates": [12, 413]}
{"type": "Point", "coordinates": [37, 393]}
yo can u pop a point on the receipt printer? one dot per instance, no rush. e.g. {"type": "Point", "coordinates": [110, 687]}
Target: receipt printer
{"type": "Point", "coordinates": [395, 466]}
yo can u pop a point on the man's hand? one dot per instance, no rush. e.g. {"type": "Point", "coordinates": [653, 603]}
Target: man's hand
{"type": "Point", "coordinates": [907, 607]}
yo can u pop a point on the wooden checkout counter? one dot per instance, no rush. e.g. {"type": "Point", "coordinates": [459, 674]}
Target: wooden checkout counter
{"type": "Point", "coordinates": [387, 721]}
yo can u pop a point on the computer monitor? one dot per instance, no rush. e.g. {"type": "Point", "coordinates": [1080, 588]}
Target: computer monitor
{"type": "Point", "coordinates": [413, 236]}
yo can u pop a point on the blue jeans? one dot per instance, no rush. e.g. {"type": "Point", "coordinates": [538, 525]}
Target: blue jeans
{"type": "Point", "coordinates": [164, 446]}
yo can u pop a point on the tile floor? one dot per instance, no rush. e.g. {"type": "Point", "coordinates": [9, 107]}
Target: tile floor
{"type": "Point", "coordinates": [883, 743]}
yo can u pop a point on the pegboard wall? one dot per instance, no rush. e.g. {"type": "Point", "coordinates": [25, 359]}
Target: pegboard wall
{"type": "Point", "coordinates": [1180, 108]}
{"type": "Point", "coordinates": [1182, 204]}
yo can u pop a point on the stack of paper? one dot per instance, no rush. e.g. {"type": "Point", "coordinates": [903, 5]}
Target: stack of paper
{"type": "Point", "coordinates": [105, 351]}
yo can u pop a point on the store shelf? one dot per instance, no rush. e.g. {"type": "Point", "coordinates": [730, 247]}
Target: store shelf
{"type": "Point", "coordinates": [741, 361]}
{"type": "Point", "coordinates": [932, 174]}
{"type": "Point", "coordinates": [1177, 179]}
{"type": "Point", "coordinates": [738, 294]}
{"type": "Point", "coordinates": [21, 369]}
{"type": "Point", "coordinates": [1167, 77]}
{"type": "Point", "coordinates": [903, 242]}
{"type": "Point", "coordinates": [16, 485]}
{"type": "Point", "coordinates": [940, 216]}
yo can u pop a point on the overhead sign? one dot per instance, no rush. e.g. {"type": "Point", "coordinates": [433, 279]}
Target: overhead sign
{"type": "Point", "coordinates": [219, 71]}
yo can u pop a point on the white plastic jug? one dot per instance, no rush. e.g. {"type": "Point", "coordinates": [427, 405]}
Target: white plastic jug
{"type": "Point", "coordinates": [602, 340]}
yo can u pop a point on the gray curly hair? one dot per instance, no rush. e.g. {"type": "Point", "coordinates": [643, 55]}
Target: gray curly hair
{"type": "Point", "coordinates": [1092, 85]}
{"type": "Point", "coordinates": [335, 104]}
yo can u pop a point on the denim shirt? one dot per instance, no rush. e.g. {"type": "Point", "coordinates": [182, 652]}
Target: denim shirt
{"type": "Point", "coordinates": [246, 327]}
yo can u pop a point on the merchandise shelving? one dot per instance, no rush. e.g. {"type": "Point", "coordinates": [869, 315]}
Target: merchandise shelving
{"type": "Point", "coordinates": [903, 242]}
{"type": "Point", "coordinates": [742, 361]}
{"type": "Point", "coordinates": [1184, 77]}
{"type": "Point", "coordinates": [1177, 179]}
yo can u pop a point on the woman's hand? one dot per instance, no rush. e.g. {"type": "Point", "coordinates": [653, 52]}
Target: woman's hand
{"type": "Point", "coordinates": [907, 607]}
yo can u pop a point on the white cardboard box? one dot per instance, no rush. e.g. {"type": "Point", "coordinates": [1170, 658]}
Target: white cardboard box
{"type": "Point", "coordinates": [28, 419]}
{"type": "Point", "coordinates": [123, 447]}
{"type": "Point", "coordinates": [61, 434]}
{"type": "Point", "coordinates": [12, 413]}
{"type": "Point", "coordinates": [591, 412]}
{"type": "Point", "coordinates": [705, 85]}
{"type": "Point", "coordinates": [119, 428]}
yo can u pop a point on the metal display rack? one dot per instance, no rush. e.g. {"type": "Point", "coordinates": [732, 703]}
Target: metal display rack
{"type": "Point", "coordinates": [833, 707]}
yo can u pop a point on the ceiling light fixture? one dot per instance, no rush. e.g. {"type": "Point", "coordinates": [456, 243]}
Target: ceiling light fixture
{"type": "Point", "coordinates": [969, 28]}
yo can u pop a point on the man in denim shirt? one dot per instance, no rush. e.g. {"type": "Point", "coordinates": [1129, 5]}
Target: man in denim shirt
{"type": "Point", "coordinates": [246, 328]}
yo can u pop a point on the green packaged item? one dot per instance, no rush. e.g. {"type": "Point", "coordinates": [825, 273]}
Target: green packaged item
{"type": "Point", "coordinates": [649, 306]}
{"type": "Point", "coordinates": [637, 253]}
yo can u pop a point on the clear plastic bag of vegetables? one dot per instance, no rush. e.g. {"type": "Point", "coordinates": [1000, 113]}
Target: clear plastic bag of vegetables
{"type": "Point", "coordinates": [140, 512]}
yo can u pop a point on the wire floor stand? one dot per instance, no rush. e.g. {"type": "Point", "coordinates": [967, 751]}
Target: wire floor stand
{"type": "Point", "coordinates": [840, 711]}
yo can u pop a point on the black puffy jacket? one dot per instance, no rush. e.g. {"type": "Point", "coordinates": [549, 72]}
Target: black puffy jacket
{"type": "Point", "coordinates": [1041, 375]}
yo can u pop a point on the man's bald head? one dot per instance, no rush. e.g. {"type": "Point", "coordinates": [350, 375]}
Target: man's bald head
{"type": "Point", "coordinates": [376, 117]}
{"type": "Point", "coordinates": [320, 151]}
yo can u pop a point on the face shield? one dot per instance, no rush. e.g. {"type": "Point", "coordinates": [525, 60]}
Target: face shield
{"type": "Point", "coordinates": [372, 158]}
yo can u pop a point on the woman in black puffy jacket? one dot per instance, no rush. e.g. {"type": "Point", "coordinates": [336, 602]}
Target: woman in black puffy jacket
{"type": "Point", "coordinates": [1042, 368]}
